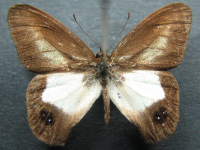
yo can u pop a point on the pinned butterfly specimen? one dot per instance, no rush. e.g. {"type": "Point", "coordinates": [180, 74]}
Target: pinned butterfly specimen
{"type": "Point", "coordinates": [70, 78]}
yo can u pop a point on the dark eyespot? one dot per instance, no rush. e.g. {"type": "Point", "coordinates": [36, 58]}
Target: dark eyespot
{"type": "Point", "coordinates": [47, 117]}
{"type": "Point", "coordinates": [161, 115]}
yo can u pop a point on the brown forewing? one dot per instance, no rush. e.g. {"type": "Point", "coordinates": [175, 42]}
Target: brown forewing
{"type": "Point", "coordinates": [43, 43]}
{"type": "Point", "coordinates": [159, 41]}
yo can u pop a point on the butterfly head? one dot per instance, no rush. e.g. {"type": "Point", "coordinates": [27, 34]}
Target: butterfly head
{"type": "Point", "coordinates": [100, 55]}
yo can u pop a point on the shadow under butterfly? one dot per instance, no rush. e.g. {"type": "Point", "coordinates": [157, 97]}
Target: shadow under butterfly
{"type": "Point", "coordinates": [70, 78]}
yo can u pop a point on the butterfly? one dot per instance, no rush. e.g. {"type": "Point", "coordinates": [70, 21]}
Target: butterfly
{"type": "Point", "coordinates": [70, 77]}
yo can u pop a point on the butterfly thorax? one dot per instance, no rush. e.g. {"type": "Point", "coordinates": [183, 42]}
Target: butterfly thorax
{"type": "Point", "coordinates": [101, 70]}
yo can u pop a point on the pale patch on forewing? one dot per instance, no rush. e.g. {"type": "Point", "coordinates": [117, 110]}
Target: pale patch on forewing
{"type": "Point", "coordinates": [149, 54]}
{"type": "Point", "coordinates": [138, 90]}
{"type": "Point", "coordinates": [155, 49]}
{"type": "Point", "coordinates": [159, 43]}
{"type": "Point", "coordinates": [68, 92]}
{"type": "Point", "coordinates": [167, 30]}
{"type": "Point", "coordinates": [49, 52]}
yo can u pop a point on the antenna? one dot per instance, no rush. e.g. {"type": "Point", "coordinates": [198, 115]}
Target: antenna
{"type": "Point", "coordinates": [84, 31]}
{"type": "Point", "coordinates": [120, 31]}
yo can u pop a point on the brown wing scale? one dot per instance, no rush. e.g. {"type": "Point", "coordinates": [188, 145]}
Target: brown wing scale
{"type": "Point", "coordinates": [159, 121]}
{"type": "Point", "coordinates": [158, 42]}
{"type": "Point", "coordinates": [43, 43]}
